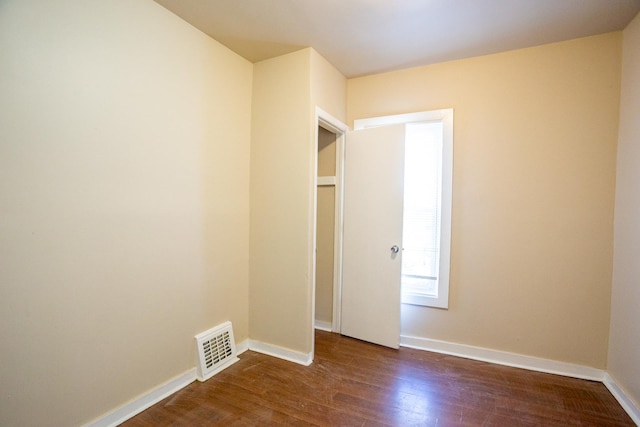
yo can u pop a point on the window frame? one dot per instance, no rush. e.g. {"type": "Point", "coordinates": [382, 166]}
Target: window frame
{"type": "Point", "coordinates": [444, 116]}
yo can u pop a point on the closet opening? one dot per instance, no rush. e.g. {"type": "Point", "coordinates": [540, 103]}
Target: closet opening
{"type": "Point", "coordinates": [325, 229]}
{"type": "Point", "coordinates": [328, 223]}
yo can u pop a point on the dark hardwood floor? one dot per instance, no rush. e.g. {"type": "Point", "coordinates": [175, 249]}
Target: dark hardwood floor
{"type": "Point", "coordinates": [353, 383]}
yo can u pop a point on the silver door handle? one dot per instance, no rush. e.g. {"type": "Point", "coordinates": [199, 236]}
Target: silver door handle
{"type": "Point", "coordinates": [395, 249]}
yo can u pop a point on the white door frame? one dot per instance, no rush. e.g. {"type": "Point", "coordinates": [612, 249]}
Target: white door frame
{"type": "Point", "coordinates": [330, 123]}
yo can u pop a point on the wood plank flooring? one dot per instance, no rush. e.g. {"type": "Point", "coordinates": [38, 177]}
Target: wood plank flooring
{"type": "Point", "coordinates": [353, 383]}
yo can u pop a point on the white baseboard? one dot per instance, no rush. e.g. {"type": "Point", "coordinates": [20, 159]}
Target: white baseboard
{"type": "Point", "coordinates": [623, 398]}
{"type": "Point", "coordinates": [154, 396]}
{"type": "Point", "coordinates": [281, 352]}
{"type": "Point", "coordinates": [504, 358]}
{"type": "Point", "coordinates": [530, 363]}
{"type": "Point", "coordinates": [134, 407]}
{"type": "Point", "coordinates": [241, 347]}
{"type": "Point", "coordinates": [323, 326]}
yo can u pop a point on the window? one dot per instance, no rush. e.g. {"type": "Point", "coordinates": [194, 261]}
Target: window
{"type": "Point", "coordinates": [426, 239]}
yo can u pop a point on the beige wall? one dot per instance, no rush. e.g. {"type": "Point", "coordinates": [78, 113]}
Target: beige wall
{"type": "Point", "coordinates": [624, 340]}
{"type": "Point", "coordinates": [124, 194]}
{"type": "Point", "coordinates": [281, 149]}
{"type": "Point", "coordinates": [328, 87]}
{"type": "Point", "coordinates": [534, 171]}
{"type": "Point", "coordinates": [286, 91]}
{"type": "Point", "coordinates": [326, 152]}
{"type": "Point", "coordinates": [328, 92]}
{"type": "Point", "coordinates": [324, 254]}
{"type": "Point", "coordinates": [125, 143]}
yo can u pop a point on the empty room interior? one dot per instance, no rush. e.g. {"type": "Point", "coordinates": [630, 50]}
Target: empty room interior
{"type": "Point", "coordinates": [169, 166]}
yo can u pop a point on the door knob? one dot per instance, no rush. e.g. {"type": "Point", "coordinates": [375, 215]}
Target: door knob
{"type": "Point", "coordinates": [395, 249]}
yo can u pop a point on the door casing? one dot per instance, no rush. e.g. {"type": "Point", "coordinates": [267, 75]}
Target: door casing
{"type": "Point", "coordinates": [330, 123]}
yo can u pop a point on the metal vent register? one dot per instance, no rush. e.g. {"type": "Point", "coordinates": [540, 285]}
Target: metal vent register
{"type": "Point", "coordinates": [216, 350]}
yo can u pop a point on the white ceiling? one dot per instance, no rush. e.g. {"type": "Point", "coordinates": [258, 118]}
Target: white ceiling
{"type": "Point", "coordinates": [362, 37]}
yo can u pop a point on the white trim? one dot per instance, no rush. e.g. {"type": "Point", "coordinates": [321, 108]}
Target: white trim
{"type": "Point", "coordinates": [421, 116]}
{"type": "Point", "coordinates": [338, 236]}
{"type": "Point", "coordinates": [134, 407]}
{"type": "Point", "coordinates": [444, 116]}
{"type": "Point", "coordinates": [338, 233]}
{"type": "Point", "coordinates": [323, 326]}
{"type": "Point", "coordinates": [504, 358]}
{"type": "Point", "coordinates": [446, 214]}
{"type": "Point", "coordinates": [241, 347]}
{"type": "Point", "coordinates": [326, 180]}
{"type": "Point", "coordinates": [281, 353]}
{"type": "Point", "coordinates": [330, 123]}
{"type": "Point", "coordinates": [622, 397]}
{"type": "Point", "coordinates": [313, 230]}
{"type": "Point", "coordinates": [528, 362]}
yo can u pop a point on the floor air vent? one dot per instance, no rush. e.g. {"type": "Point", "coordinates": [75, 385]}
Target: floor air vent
{"type": "Point", "coordinates": [216, 350]}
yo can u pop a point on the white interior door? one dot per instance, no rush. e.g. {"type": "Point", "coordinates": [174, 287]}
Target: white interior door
{"type": "Point", "coordinates": [372, 255]}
